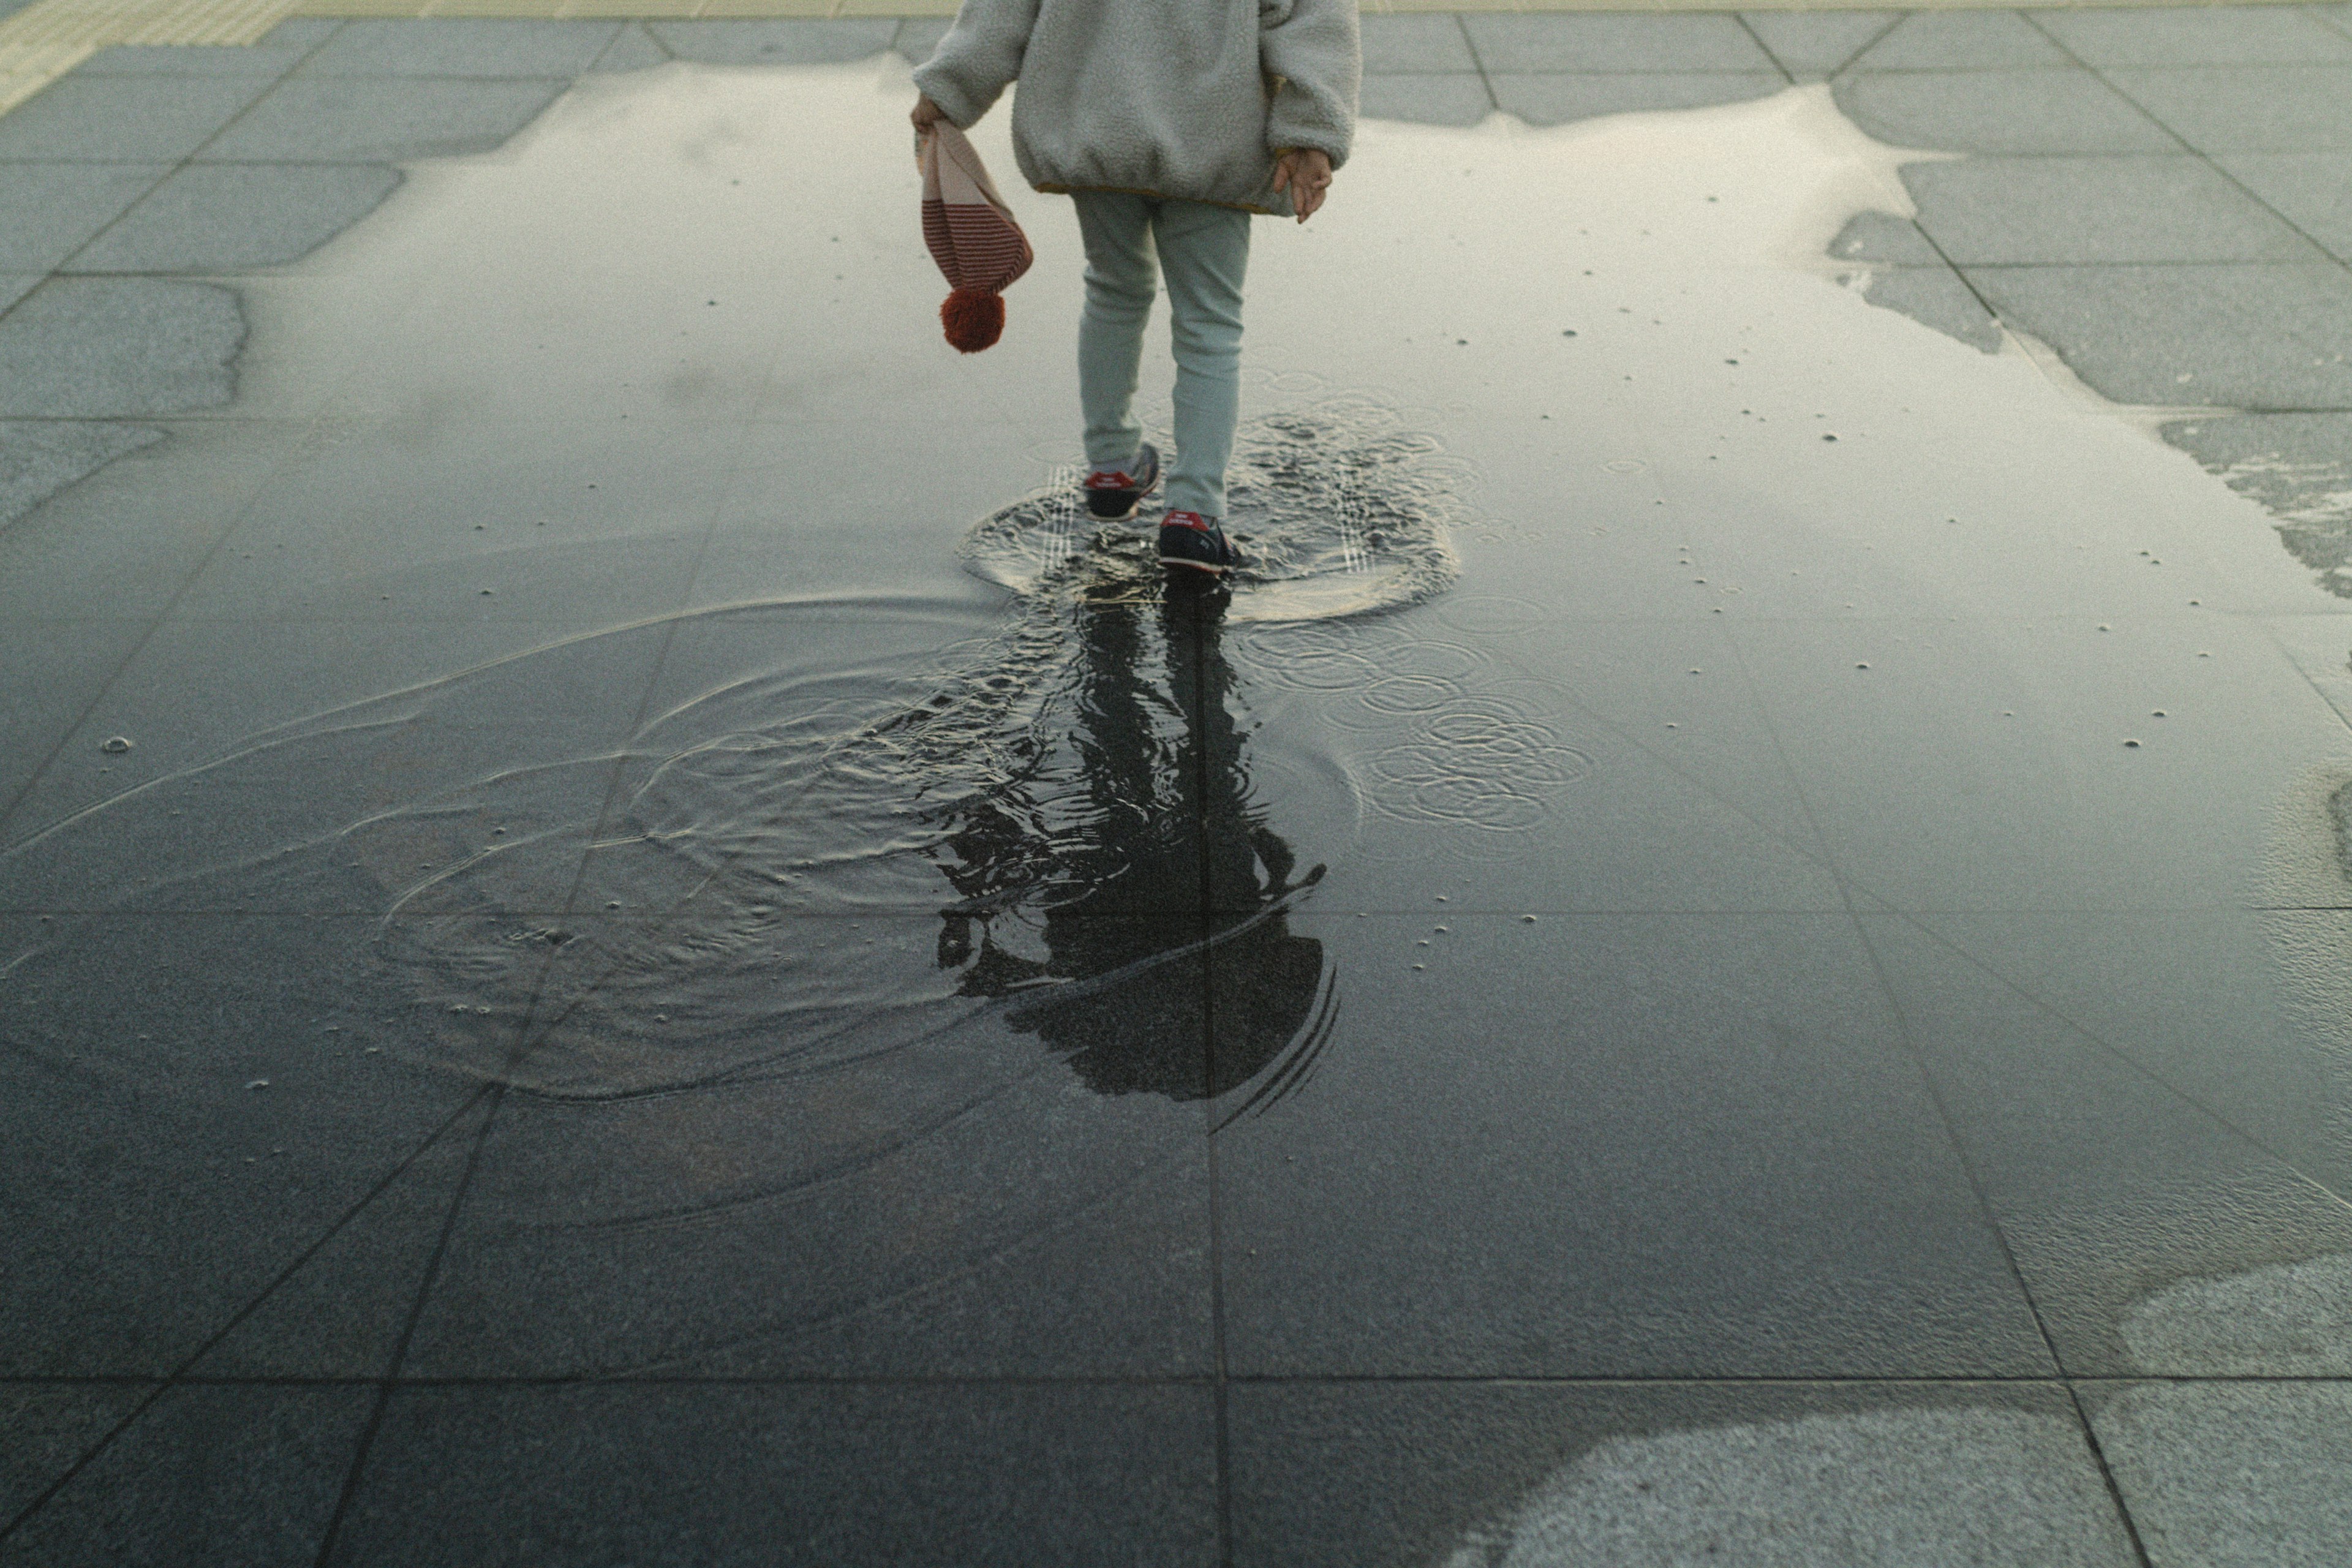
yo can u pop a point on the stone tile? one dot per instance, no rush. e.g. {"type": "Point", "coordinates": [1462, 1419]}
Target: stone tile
{"type": "Point", "coordinates": [1708, 1121]}
{"type": "Point", "coordinates": [461, 47]}
{"type": "Point", "coordinates": [2012, 755]}
{"type": "Point", "coordinates": [1429, 44]}
{"type": "Point", "coordinates": [2241, 336]}
{"type": "Point", "coordinates": [155, 1195]}
{"type": "Point", "coordinates": [359, 120]}
{"type": "Point", "coordinates": [918, 37]}
{"type": "Point", "coordinates": [2299, 467]}
{"type": "Point", "coordinates": [195, 59]}
{"type": "Point", "coordinates": [1999, 111]}
{"type": "Point", "coordinates": [39, 458]}
{"type": "Point", "coordinates": [1882, 238]}
{"type": "Point", "coordinates": [776, 43]}
{"type": "Point", "coordinates": [2011, 211]}
{"type": "Point", "coordinates": [60, 668]}
{"type": "Point", "coordinates": [1810, 45]}
{"type": "Point", "coordinates": [1349, 1474]}
{"type": "Point", "coordinates": [631, 49]}
{"type": "Point", "coordinates": [2249, 109]}
{"type": "Point", "coordinates": [304, 33]}
{"type": "Point", "coordinates": [1961, 41]}
{"type": "Point", "coordinates": [1559, 99]}
{"type": "Point", "coordinates": [208, 1475]}
{"type": "Point", "coordinates": [2237, 1474]}
{"type": "Point", "coordinates": [917, 1233]}
{"type": "Point", "coordinates": [1935, 297]}
{"type": "Point", "coordinates": [51, 1425]}
{"type": "Point", "coordinates": [103, 348]}
{"type": "Point", "coordinates": [2312, 191]}
{"type": "Point", "coordinates": [341, 1314]}
{"type": "Point", "coordinates": [2157, 1238]}
{"type": "Point", "coordinates": [961, 1476]}
{"type": "Point", "coordinates": [1426, 100]}
{"type": "Point", "coordinates": [2194, 35]}
{"type": "Point", "coordinates": [118, 544]}
{"type": "Point", "coordinates": [229, 218]}
{"type": "Point", "coordinates": [1600, 42]}
{"type": "Point", "coordinates": [15, 286]}
{"type": "Point", "coordinates": [111, 119]}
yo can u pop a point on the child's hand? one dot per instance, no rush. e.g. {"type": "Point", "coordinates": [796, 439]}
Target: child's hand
{"type": "Point", "coordinates": [1306, 174]}
{"type": "Point", "coordinates": [926, 114]}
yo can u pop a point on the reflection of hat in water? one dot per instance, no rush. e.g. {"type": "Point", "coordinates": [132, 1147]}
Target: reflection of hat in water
{"type": "Point", "coordinates": [972, 235]}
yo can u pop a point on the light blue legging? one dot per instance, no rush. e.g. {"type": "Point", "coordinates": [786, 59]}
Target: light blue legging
{"type": "Point", "coordinates": [1204, 252]}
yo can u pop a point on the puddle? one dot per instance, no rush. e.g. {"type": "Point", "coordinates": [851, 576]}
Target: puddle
{"type": "Point", "coordinates": [759, 784]}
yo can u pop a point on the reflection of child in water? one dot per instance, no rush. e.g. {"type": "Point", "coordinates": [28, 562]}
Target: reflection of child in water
{"type": "Point", "coordinates": [1169, 123]}
{"type": "Point", "coordinates": [1169, 826]}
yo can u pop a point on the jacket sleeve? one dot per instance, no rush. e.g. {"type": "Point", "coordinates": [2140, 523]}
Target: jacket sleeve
{"type": "Point", "coordinates": [1314, 50]}
{"type": "Point", "coordinates": [978, 57]}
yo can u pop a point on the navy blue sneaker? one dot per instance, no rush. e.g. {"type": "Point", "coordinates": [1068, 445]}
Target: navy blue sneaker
{"type": "Point", "coordinates": [1188, 539]}
{"type": "Point", "coordinates": [1114, 495]}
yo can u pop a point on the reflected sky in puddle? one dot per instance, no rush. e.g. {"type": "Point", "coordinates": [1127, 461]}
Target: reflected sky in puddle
{"type": "Point", "coordinates": [1627, 562]}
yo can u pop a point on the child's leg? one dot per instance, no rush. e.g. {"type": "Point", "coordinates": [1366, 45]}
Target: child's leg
{"type": "Point", "coordinates": [1205, 251]}
{"type": "Point", "coordinates": [1121, 280]}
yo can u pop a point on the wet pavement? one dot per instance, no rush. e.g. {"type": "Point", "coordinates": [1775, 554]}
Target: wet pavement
{"type": "Point", "coordinates": [622, 938]}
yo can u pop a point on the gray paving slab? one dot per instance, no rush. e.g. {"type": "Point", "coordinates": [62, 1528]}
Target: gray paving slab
{"type": "Point", "coordinates": [122, 120]}
{"type": "Point", "coordinates": [2030, 111]}
{"type": "Point", "coordinates": [782, 1251]}
{"type": "Point", "coordinates": [1553, 1088]}
{"type": "Point", "coordinates": [2105, 209]}
{"type": "Point", "coordinates": [103, 347]}
{"type": "Point", "coordinates": [1780, 1477]}
{"type": "Point", "coordinates": [194, 59]}
{"type": "Point", "coordinates": [1961, 41]}
{"type": "Point", "coordinates": [2232, 1474]}
{"type": "Point", "coordinates": [2299, 467]}
{"type": "Point", "coordinates": [2241, 336]}
{"type": "Point", "coordinates": [1424, 44]}
{"type": "Point", "coordinates": [2194, 34]}
{"type": "Point", "coordinates": [2248, 109]}
{"type": "Point", "coordinates": [362, 120]}
{"type": "Point", "coordinates": [1935, 297]}
{"type": "Point", "coordinates": [1882, 237]}
{"type": "Point", "coordinates": [51, 1426]}
{"type": "Point", "coordinates": [1032, 1476]}
{"type": "Point", "coordinates": [15, 286]}
{"type": "Point", "coordinates": [631, 49]}
{"type": "Point", "coordinates": [208, 1476]}
{"type": "Point", "coordinates": [144, 1155]}
{"type": "Point", "coordinates": [2312, 191]}
{"type": "Point", "coordinates": [230, 218]}
{"type": "Point", "coordinates": [461, 47]}
{"type": "Point", "coordinates": [61, 669]}
{"type": "Point", "coordinates": [1557, 99]}
{"type": "Point", "coordinates": [40, 457]}
{"type": "Point", "coordinates": [342, 1313]}
{"type": "Point", "coordinates": [54, 207]}
{"type": "Point", "coordinates": [917, 36]}
{"type": "Point", "coordinates": [119, 543]}
{"type": "Point", "coordinates": [1427, 100]}
{"type": "Point", "coordinates": [1602, 41]}
{"type": "Point", "coordinates": [2157, 1238]}
{"type": "Point", "coordinates": [1810, 45]}
{"type": "Point", "coordinates": [776, 43]}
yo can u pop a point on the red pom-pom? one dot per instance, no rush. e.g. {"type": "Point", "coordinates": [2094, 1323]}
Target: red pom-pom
{"type": "Point", "coordinates": [974, 319]}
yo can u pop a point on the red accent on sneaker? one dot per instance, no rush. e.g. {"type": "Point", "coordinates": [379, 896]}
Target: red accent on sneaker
{"type": "Point", "coordinates": [1185, 520]}
{"type": "Point", "coordinates": [1109, 480]}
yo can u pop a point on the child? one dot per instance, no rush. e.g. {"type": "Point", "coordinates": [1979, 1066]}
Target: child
{"type": "Point", "coordinates": [1169, 122]}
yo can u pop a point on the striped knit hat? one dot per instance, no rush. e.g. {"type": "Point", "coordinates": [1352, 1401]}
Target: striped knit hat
{"type": "Point", "coordinates": [972, 235]}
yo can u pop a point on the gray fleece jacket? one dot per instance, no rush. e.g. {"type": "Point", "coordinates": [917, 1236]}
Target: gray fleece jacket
{"type": "Point", "coordinates": [1190, 98]}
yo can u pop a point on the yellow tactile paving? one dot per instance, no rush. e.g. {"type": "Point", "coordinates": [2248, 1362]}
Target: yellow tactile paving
{"type": "Point", "coordinates": [49, 38]}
